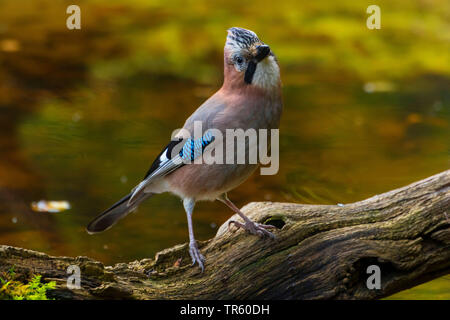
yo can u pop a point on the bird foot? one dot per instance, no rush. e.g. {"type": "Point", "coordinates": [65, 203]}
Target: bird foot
{"type": "Point", "coordinates": [196, 256]}
{"type": "Point", "coordinates": [254, 228]}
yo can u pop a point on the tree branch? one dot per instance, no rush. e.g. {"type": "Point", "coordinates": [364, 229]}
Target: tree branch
{"type": "Point", "coordinates": [321, 252]}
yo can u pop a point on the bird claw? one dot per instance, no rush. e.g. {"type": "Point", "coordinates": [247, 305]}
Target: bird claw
{"type": "Point", "coordinates": [253, 228]}
{"type": "Point", "coordinates": [196, 256]}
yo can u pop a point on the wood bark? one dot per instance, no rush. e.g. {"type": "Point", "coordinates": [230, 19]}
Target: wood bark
{"type": "Point", "coordinates": [320, 252]}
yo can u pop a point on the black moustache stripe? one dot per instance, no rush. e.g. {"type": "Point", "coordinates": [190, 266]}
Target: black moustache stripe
{"type": "Point", "coordinates": [251, 68]}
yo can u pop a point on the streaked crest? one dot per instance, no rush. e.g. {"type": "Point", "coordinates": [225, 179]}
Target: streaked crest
{"type": "Point", "coordinates": [239, 38]}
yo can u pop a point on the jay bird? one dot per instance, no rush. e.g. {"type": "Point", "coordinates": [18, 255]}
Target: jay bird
{"type": "Point", "coordinates": [250, 98]}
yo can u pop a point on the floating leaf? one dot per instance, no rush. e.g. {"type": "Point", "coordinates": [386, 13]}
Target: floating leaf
{"type": "Point", "coordinates": [50, 206]}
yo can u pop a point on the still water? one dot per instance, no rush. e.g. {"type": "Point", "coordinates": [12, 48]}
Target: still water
{"type": "Point", "coordinates": [83, 114]}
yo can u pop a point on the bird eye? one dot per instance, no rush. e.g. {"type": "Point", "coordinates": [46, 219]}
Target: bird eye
{"type": "Point", "coordinates": [239, 60]}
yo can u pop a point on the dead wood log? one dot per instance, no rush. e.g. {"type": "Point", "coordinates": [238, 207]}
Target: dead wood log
{"type": "Point", "coordinates": [321, 252]}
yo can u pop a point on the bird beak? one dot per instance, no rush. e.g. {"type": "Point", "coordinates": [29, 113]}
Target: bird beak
{"type": "Point", "coordinates": [262, 51]}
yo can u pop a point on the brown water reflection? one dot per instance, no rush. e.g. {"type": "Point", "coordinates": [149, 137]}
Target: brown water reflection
{"type": "Point", "coordinates": [83, 114]}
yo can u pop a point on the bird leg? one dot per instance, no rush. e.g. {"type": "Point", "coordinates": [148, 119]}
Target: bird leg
{"type": "Point", "coordinates": [248, 225]}
{"type": "Point", "coordinates": [194, 252]}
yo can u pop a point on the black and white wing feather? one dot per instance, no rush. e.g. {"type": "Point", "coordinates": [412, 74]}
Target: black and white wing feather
{"type": "Point", "coordinates": [163, 165]}
{"type": "Point", "coordinates": [176, 154]}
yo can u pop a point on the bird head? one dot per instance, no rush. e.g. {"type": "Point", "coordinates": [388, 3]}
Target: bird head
{"type": "Point", "coordinates": [249, 61]}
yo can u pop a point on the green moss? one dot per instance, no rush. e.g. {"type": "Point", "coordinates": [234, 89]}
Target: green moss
{"type": "Point", "coordinates": [13, 289]}
{"type": "Point", "coordinates": [438, 289]}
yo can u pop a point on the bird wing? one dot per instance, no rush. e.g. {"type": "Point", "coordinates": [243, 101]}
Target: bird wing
{"type": "Point", "coordinates": [176, 154]}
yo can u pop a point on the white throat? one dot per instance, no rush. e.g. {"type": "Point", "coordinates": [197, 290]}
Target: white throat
{"type": "Point", "coordinates": [267, 74]}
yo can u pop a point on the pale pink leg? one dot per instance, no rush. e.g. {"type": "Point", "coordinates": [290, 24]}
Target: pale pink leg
{"type": "Point", "coordinates": [248, 225]}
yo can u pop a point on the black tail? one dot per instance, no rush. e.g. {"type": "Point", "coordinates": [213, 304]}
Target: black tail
{"type": "Point", "coordinates": [119, 210]}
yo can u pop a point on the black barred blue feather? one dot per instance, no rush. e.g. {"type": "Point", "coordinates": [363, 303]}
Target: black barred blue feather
{"type": "Point", "coordinates": [192, 149]}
